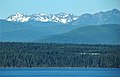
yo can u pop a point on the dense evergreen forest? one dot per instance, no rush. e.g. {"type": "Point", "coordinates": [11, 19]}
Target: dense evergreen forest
{"type": "Point", "coordinates": [18, 54]}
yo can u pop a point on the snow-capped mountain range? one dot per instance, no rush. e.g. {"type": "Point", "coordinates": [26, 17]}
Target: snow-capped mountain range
{"type": "Point", "coordinates": [61, 17]}
{"type": "Point", "coordinates": [108, 17]}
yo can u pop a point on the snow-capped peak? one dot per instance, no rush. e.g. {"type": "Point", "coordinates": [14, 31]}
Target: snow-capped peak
{"type": "Point", "coordinates": [18, 17]}
{"type": "Point", "coordinates": [42, 17]}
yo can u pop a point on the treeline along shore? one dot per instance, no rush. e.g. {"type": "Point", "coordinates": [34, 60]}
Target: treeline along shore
{"type": "Point", "coordinates": [19, 54]}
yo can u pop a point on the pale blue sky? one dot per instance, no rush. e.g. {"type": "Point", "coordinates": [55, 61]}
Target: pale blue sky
{"type": "Point", "coordinates": [77, 7]}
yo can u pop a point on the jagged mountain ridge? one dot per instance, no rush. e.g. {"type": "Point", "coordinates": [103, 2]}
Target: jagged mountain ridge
{"type": "Point", "coordinates": [58, 18]}
{"type": "Point", "coordinates": [108, 17]}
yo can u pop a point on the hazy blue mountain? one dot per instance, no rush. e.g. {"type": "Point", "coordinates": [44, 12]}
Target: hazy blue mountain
{"type": "Point", "coordinates": [21, 36]}
{"type": "Point", "coordinates": [22, 27]}
{"type": "Point", "coordinates": [108, 17]}
{"type": "Point", "coordinates": [102, 34]}
{"type": "Point", "coordinates": [29, 31]}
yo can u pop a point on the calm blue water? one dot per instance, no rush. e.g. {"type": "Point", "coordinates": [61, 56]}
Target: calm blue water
{"type": "Point", "coordinates": [59, 72]}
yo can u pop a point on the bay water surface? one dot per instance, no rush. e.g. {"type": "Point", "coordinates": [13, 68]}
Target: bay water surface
{"type": "Point", "coordinates": [59, 72]}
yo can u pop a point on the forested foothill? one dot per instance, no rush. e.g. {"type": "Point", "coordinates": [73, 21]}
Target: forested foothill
{"type": "Point", "coordinates": [18, 54]}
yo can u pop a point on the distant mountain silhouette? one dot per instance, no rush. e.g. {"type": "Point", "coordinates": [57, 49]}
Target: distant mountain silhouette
{"type": "Point", "coordinates": [108, 17]}
{"type": "Point", "coordinates": [65, 28]}
{"type": "Point", "coordinates": [102, 34]}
